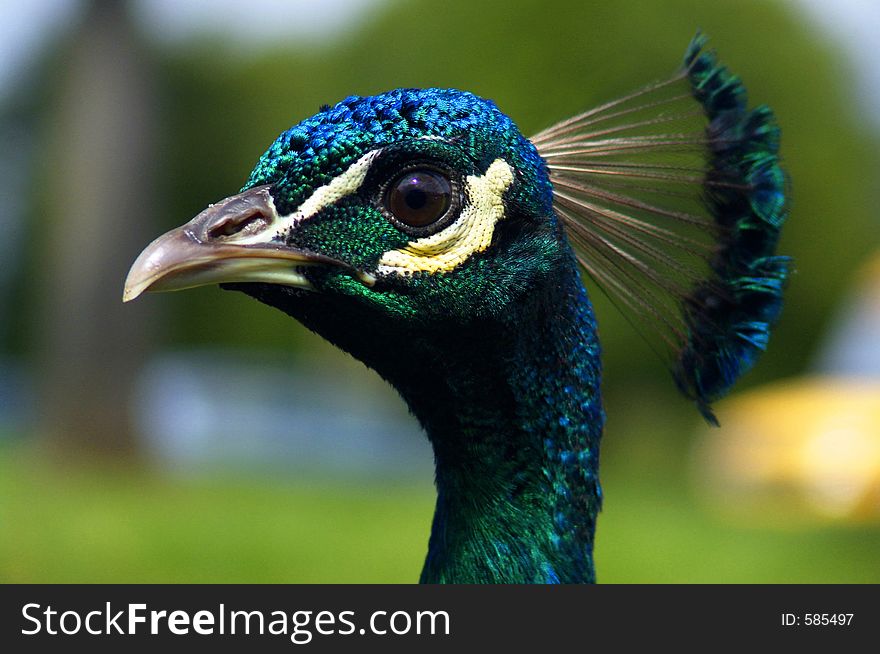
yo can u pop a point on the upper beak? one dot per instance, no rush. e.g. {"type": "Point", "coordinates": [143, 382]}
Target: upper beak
{"type": "Point", "coordinates": [230, 241]}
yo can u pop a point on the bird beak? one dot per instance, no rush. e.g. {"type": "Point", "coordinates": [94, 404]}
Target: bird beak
{"type": "Point", "coordinates": [231, 241]}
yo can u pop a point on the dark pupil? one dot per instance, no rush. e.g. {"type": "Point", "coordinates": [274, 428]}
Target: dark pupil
{"type": "Point", "coordinates": [419, 198]}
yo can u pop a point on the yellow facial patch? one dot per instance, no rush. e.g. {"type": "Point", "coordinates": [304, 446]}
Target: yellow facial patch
{"type": "Point", "coordinates": [469, 234]}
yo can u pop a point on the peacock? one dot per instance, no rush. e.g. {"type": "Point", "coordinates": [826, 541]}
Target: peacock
{"type": "Point", "coordinates": [421, 232]}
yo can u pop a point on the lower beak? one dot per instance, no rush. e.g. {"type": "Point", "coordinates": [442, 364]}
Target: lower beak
{"type": "Point", "coordinates": [230, 241]}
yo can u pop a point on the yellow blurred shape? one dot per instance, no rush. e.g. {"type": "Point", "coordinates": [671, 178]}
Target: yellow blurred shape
{"type": "Point", "coordinates": [809, 443]}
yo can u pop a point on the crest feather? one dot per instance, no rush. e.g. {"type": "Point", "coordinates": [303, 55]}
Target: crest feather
{"type": "Point", "coordinates": [673, 198]}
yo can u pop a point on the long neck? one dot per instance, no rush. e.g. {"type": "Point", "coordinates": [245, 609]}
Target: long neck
{"type": "Point", "coordinates": [516, 446]}
{"type": "Point", "coordinates": [512, 406]}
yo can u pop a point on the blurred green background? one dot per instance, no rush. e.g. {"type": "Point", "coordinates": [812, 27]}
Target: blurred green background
{"type": "Point", "coordinates": [202, 437]}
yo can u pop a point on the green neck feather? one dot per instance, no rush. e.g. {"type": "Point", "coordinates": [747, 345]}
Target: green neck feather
{"type": "Point", "coordinates": [516, 444]}
{"type": "Point", "coordinates": [511, 403]}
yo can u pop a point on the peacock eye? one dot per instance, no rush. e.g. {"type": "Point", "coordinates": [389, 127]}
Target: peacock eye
{"type": "Point", "coordinates": [419, 198]}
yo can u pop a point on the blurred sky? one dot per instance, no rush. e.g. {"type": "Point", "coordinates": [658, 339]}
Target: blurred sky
{"type": "Point", "coordinates": [26, 27]}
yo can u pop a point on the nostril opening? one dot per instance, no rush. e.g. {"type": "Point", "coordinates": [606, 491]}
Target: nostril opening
{"type": "Point", "coordinates": [234, 225]}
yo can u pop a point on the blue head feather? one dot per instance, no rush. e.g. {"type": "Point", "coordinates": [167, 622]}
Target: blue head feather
{"type": "Point", "coordinates": [317, 149]}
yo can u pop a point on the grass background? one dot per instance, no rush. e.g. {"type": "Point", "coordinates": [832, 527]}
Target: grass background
{"type": "Point", "coordinates": [112, 524]}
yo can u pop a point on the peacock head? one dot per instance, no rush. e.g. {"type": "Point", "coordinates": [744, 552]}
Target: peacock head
{"type": "Point", "coordinates": [396, 223]}
{"type": "Point", "coordinates": [405, 210]}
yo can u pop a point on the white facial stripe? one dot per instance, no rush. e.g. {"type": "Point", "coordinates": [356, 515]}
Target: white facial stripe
{"type": "Point", "coordinates": [470, 233]}
{"type": "Point", "coordinates": [345, 184]}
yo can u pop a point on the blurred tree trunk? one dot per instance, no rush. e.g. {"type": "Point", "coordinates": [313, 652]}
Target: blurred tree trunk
{"type": "Point", "coordinates": [99, 192]}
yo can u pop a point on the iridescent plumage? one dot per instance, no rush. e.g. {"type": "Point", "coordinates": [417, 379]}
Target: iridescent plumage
{"type": "Point", "coordinates": [674, 207]}
{"type": "Point", "coordinates": [469, 301]}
